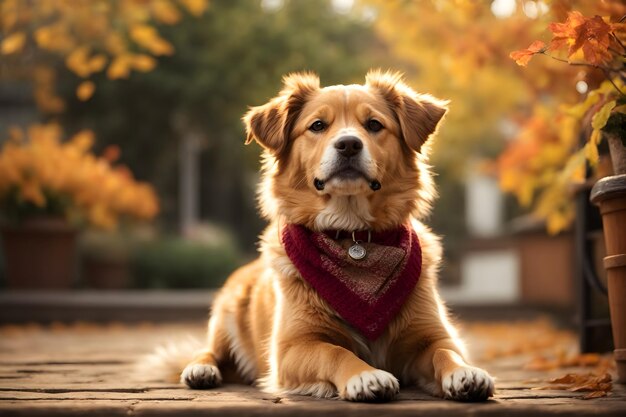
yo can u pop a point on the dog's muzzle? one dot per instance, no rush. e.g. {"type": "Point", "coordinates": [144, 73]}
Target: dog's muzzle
{"type": "Point", "coordinates": [348, 148]}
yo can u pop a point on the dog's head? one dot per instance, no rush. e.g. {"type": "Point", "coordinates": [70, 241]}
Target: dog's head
{"type": "Point", "coordinates": [345, 157]}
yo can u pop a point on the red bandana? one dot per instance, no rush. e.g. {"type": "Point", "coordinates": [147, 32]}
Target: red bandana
{"type": "Point", "coordinates": [369, 292]}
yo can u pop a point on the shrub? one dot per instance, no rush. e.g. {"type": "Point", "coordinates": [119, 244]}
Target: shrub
{"type": "Point", "coordinates": [179, 263]}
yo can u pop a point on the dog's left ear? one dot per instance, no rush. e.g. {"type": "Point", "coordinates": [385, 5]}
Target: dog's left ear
{"type": "Point", "coordinates": [418, 114]}
{"type": "Point", "coordinates": [270, 124]}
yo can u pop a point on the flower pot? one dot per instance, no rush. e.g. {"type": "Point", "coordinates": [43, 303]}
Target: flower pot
{"type": "Point", "coordinates": [40, 254]}
{"type": "Point", "coordinates": [610, 195]}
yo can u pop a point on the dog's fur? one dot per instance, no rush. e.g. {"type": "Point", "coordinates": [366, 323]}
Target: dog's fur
{"type": "Point", "coordinates": [267, 323]}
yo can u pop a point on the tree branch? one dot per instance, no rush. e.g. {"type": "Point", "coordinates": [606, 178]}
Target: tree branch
{"type": "Point", "coordinates": [618, 41]}
{"type": "Point", "coordinates": [605, 70]}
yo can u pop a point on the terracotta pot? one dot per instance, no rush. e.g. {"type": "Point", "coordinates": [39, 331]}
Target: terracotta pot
{"type": "Point", "coordinates": [610, 195]}
{"type": "Point", "coordinates": [40, 254]}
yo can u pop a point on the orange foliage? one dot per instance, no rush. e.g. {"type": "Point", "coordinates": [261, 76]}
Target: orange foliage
{"type": "Point", "coordinates": [531, 167]}
{"type": "Point", "coordinates": [597, 385]}
{"type": "Point", "coordinates": [593, 35]}
{"type": "Point", "coordinates": [37, 168]}
{"type": "Point", "coordinates": [523, 57]}
{"type": "Point", "coordinates": [549, 349]}
{"type": "Point", "coordinates": [89, 36]}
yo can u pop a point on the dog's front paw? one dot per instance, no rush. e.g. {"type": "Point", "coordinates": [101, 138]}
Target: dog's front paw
{"type": "Point", "coordinates": [376, 385]}
{"type": "Point", "coordinates": [197, 376]}
{"type": "Point", "coordinates": [467, 383]}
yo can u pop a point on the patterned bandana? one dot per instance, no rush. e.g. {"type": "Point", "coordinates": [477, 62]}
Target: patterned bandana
{"type": "Point", "coordinates": [368, 292]}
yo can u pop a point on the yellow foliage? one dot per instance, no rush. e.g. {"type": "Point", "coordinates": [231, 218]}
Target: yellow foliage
{"type": "Point", "coordinates": [591, 153]}
{"type": "Point", "coordinates": [85, 90]}
{"type": "Point", "coordinates": [82, 64]}
{"type": "Point", "coordinates": [165, 12]}
{"type": "Point", "coordinates": [143, 63]}
{"type": "Point", "coordinates": [89, 36]}
{"type": "Point", "coordinates": [195, 7]}
{"type": "Point", "coordinates": [115, 43]}
{"type": "Point", "coordinates": [8, 14]}
{"type": "Point", "coordinates": [459, 50]}
{"type": "Point", "coordinates": [44, 168]}
{"type": "Point", "coordinates": [148, 37]}
{"type": "Point", "coordinates": [598, 121]}
{"type": "Point", "coordinates": [120, 67]}
{"type": "Point", "coordinates": [55, 38]}
{"type": "Point", "coordinates": [13, 43]}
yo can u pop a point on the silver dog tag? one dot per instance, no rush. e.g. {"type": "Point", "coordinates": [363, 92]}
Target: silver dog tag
{"type": "Point", "coordinates": [357, 252]}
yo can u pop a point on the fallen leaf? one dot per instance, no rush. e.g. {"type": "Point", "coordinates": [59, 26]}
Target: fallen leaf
{"type": "Point", "coordinates": [565, 379]}
{"type": "Point", "coordinates": [592, 386]}
{"type": "Point", "coordinates": [595, 394]}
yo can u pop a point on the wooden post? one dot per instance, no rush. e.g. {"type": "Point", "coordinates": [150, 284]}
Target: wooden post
{"type": "Point", "coordinates": [610, 194]}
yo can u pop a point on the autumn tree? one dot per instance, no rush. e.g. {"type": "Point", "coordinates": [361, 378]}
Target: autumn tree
{"type": "Point", "coordinates": [459, 49]}
{"type": "Point", "coordinates": [594, 45]}
{"type": "Point", "coordinates": [89, 37]}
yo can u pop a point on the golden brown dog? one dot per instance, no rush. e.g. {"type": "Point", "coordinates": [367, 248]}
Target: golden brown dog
{"type": "Point", "coordinates": [341, 159]}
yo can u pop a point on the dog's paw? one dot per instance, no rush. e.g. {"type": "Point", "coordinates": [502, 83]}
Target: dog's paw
{"type": "Point", "coordinates": [376, 385]}
{"type": "Point", "coordinates": [467, 383]}
{"type": "Point", "coordinates": [197, 376]}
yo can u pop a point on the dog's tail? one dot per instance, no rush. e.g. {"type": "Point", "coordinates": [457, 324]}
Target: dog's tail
{"type": "Point", "coordinates": [167, 361]}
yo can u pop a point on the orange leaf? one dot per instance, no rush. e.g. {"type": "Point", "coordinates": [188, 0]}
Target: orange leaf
{"type": "Point", "coordinates": [595, 394]}
{"type": "Point", "coordinates": [591, 34]}
{"type": "Point", "coordinates": [566, 379]}
{"type": "Point", "coordinates": [592, 386]}
{"type": "Point", "coordinates": [564, 33]}
{"type": "Point", "coordinates": [523, 56]}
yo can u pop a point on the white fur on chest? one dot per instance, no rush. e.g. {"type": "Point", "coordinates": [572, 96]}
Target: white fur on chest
{"type": "Point", "coordinates": [345, 213]}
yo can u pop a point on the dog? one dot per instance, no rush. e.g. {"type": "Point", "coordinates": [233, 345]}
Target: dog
{"type": "Point", "coordinates": [342, 301]}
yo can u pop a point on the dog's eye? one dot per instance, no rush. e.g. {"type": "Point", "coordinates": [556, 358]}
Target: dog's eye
{"type": "Point", "coordinates": [317, 126]}
{"type": "Point", "coordinates": [374, 125]}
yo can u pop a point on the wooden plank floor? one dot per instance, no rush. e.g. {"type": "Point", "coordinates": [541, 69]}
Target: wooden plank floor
{"type": "Point", "coordinates": [88, 369]}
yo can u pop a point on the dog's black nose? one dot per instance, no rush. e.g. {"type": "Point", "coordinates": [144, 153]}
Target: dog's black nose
{"type": "Point", "coordinates": [348, 146]}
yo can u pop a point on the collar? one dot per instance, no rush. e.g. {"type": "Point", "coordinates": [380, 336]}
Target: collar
{"type": "Point", "coordinates": [383, 237]}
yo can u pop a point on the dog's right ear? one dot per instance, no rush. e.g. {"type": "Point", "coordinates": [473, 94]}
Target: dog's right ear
{"type": "Point", "coordinates": [270, 124]}
{"type": "Point", "coordinates": [418, 114]}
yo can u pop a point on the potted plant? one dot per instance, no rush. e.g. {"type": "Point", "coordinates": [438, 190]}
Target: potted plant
{"type": "Point", "coordinates": [597, 44]}
{"type": "Point", "coordinates": [50, 188]}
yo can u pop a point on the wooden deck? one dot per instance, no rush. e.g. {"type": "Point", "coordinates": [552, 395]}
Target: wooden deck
{"type": "Point", "coordinates": [85, 368]}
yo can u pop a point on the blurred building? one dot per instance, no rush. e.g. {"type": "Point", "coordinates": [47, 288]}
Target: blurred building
{"type": "Point", "coordinates": [510, 263]}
